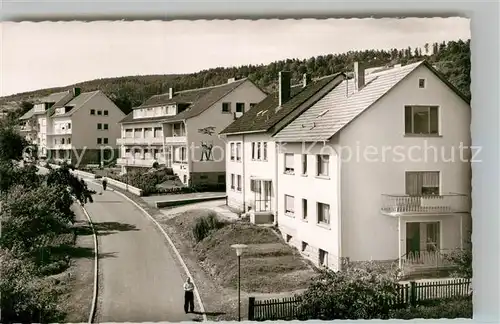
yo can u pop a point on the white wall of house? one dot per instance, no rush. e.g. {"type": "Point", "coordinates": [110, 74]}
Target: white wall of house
{"type": "Point", "coordinates": [84, 125]}
{"type": "Point", "coordinates": [304, 228]}
{"type": "Point", "coordinates": [63, 131]}
{"type": "Point", "coordinates": [42, 133]}
{"type": "Point", "coordinates": [214, 117]}
{"type": "Point", "coordinates": [366, 233]}
{"type": "Point", "coordinates": [251, 168]}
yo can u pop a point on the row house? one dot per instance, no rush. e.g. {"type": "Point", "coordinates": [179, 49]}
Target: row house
{"type": "Point", "coordinates": [179, 130]}
{"type": "Point", "coordinates": [376, 169]}
{"type": "Point", "coordinates": [251, 150]}
{"type": "Point", "coordinates": [80, 128]}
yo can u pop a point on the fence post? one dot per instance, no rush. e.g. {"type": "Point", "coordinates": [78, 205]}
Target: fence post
{"type": "Point", "coordinates": [251, 308]}
{"type": "Point", "coordinates": [413, 294]}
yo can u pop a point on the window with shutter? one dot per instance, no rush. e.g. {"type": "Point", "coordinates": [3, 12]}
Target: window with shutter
{"type": "Point", "coordinates": [289, 205]}
{"type": "Point", "coordinates": [289, 167]}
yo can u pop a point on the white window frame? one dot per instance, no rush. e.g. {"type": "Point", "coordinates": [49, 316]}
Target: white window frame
{"type": "Point", "coordinates": [259, 155]}
{"type": "Point", "coordinates": [320, 211]}
{"type": "Point", "coordinates": [238, 183]}
{"type": "Point", "coordinates": [289, 210]}
{"type": "Point", "coordinates": [304, 164]}
{"type": "Point", "coordinates": [253, 151]}
{"type": "Point", "coordinates": [289, 169]}
{"type": "Point", "coordinates": [323, 258]}
{"type": "Point", "coordinates": [232, 181]}
{"type": "Point", "coordinates": [238, 151]}
{"type": "Point", "coordinates": [323, 165]}
{"type": "Point", "coordinates": [304, 209]}
{"type": "Point", "coordinates": [430, 108]}
{"type": "Point", "coordinates": [232, 152]}
{"type": "Point", "coordinates": [264, 151]}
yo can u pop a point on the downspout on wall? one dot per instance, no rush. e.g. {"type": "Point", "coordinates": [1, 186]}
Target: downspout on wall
{"type": "Point", "coordinates": [339, 204]}
{"type": "Point", "coordinates": [276, 208]}
{"type": "Point", "coordinates": [243, 174]}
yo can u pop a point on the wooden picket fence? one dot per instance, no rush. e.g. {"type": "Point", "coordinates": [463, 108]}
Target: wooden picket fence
{"type": "Point", "coordinates": [411, 294]}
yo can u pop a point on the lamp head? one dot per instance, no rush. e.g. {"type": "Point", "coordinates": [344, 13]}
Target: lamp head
{"type": "Point", "coordinates": [239, 248]}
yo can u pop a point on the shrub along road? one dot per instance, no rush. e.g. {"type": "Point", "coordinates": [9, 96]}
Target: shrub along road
{"type": "Point", "coordinates": [140, 281]}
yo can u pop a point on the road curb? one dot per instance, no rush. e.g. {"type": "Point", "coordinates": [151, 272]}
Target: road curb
{"type": "Point", "coordinates": [96, 263]}
{"type": "Point", "coordinates": [179, 257]}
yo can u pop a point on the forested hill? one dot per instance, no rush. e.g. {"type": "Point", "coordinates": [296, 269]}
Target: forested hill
{"type": "Point", "coordinates": [452, 59]}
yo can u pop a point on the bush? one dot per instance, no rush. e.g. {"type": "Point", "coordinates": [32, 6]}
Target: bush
{"type": "Point", "coordinates": [450, 308]}
{"type": "Point", "coordinates": [206, 225]}
{"type": "Point", "coordinates": [362, 292]}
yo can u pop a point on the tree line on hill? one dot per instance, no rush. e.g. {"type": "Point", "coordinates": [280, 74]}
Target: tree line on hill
{"type": "Point", "coordinates": [450, 58]}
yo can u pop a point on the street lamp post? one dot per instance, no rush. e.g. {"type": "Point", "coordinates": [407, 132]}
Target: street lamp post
{"type": "Point", "coordinates": [239, 250]}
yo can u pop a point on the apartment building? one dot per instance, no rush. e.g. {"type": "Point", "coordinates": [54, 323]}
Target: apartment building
{"type": "Point", "coordinates": [251, 151]}
{"type": "Point", "coordinates": [179, 130]}
{"type": "Point", "coordinates": [72, 126]}
{"type": "Point", "coordinates": [377, 170]}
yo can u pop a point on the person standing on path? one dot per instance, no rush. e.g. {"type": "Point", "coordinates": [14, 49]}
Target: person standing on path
{"type": "Point", "coordinates": [104, 183]}
{"type": "Point", "coordinates": [188, 296]}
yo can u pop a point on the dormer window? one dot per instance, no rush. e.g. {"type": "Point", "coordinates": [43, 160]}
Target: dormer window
{"type": "Point", "coordinates": [421, 83]}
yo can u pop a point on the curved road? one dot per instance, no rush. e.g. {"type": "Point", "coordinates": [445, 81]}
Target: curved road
{"type": "Point", "coordinates": [140, 280]}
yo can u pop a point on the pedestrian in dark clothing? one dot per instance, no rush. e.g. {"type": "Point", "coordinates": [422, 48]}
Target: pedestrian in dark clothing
{"type": "Point", "coordinates": [104, 184]}
{"type": "Point", "coordinates": [188, 296]}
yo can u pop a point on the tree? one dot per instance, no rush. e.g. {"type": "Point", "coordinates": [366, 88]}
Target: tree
{"type": "Point", "coordinates": [358, 292]}
{"type": "Point", "coordinates": [426, 48]}
{"type": "Point", "coordinates": [12, 144]}
{"type": "Point", "coordinates": [77, 187]}
{"type": "Point", "coordinates": [462, 259]}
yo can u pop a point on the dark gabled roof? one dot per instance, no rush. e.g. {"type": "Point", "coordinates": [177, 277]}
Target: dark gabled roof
{"type": "Point", "coordinates": [265, 114]}
{"type": "Point", "coordinates": [199, 100]}
{"type": "Point", "coordinates": [75, 102]}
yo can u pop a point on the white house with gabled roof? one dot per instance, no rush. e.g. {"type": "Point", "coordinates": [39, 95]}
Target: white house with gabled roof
{"type": "Point", "coordinates": [378, 169]}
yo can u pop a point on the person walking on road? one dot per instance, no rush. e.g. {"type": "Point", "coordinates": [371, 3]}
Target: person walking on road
{"type": "Point", "coordinates": [104, 183]}
{"type": "Point", "coordinates": [188, 296]}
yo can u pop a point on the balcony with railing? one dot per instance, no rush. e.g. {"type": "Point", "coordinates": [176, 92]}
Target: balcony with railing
{"type": "Point", "coordinates": [405, 205]}
{"type": "Point", "coordinates": [28, 128]}
{"type": "Point", "coordinates": [425, 261]}
{"type": "Point", "coordinates": [139, 141]}
{"type": "Point", "coordinates": [61, 147]}
{"type": "Point", "coordinates": [60, 132]}
{"type": "Point", "coordinates": [140, 161]}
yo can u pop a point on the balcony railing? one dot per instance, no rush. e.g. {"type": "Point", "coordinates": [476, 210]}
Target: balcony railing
{"type": "Point", "coordinates": [28, 128]}
{"type": "Point", "coordinates": [261, 205]}
{"type": "Point", "coordinates": [395, 205]}
{"type": "Point", "coordinates": [139, 141]}
{"type": "Point", "coordinates": [146, 162]}
{"type": "Point", "coordinates": [175, 140]}
{"type": "Point", "coordinates": [61, 147]}
{"type": "Point", "coordinates": [413, 262]}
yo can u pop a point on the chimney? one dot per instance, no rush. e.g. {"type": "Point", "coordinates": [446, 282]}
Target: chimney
{"type": "Point", "coordinates": [284, 87]}
{"type": "Point", "coordinates": [306, 79]}
{"type": "Point", "coordinates": [76, 92]}
{"type": "Point", "coordinates": [170, 93]}
{"type": "Point", "coordinates": [359, 76]}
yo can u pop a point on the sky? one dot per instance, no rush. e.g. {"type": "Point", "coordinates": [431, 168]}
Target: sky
{"type": "Point", "coordinates": [38, 55]}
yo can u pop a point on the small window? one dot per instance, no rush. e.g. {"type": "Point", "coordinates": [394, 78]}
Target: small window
{"type": "Point", "coordinates": [92, 111]}
{"type": "Point", "coordinates": [106, 126]}
{"type": "Point", "coordinates": [421, 83]}
{"type": "Point", "coordinates": [323, 165]}
{"type": "Point", "coordinates": [323, 258]}
{"type": "Point", "coordinates": [232, 181]}
{"type": "Point", "coordinates": [253, 151]}
{"type": "Point", "coordinates": [258, 151]}
{"type": "Point", "coordinates": [238, 151]}
{"type": "Point", "coordinates": [69, 125]}
{"type": "Point", "coordinates": [99, 112]}
{"type": "Point", "coordinates": [69, 140]}
{"type": "Point", "coordinates": [105, 112]}
{"type": "Point", "coordinates": [99, 140]}
{"type": "Point", "coordinates": [264, 151]}
{"type": "Point", "coordinates": [232, 152]}
{"type": "Point", "coordinates": [99, 126]}
{"type": "Point", "coordinates": [226, 107]}
{"type": "Point", "coordinates": [105, 140]}
{"type": "Point", "coordinates": [240, 107]}
{"type": "Point", "coordinates": [62, 140]}
{"type": "Point", "coordinates": [323, 213]}
{"type": "Point", "coordinates": [289, 168]}
{"type": "Point", "coordinates": [304, 209]}
{"type": "Point", "coordinates": [304, 246]}
{"type": "Point", "coordinates": [239, 183]}
{"type": "Point", "coordinates": [289, 202]}
{"type": "Point", "coordinates": [304, 164]}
